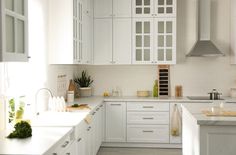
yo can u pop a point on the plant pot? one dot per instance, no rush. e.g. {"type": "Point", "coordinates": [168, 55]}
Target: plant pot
{"type": "Point", "coordinates": [85, 91]}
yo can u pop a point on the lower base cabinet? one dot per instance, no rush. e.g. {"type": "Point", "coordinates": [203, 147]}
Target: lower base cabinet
{"type": "Point", "coordinates": [148, 133]}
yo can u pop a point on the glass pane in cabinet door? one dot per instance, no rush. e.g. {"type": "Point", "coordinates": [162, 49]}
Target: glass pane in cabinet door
{"type": "Point", "coordinates": [138, 2]}
{"type": "Point", "coordinates": [160, 55]}
{"type": "Point", "coordinates": [169, 10]}
{"type": "Point", "coordinates": [138, 41]}
{"type": "Point", "coordinates": [160, 41]}
{"type": "Point", "coordinates": [20, 6]}
{"type": "Point", "coordinates": [147, 2]}
{"type": "Point", "coordinates": [138, 10]}
{"type": "Point", "coordinates": [20, 36]}
{"type": "Point", "coordinates": [161, 27]}
{"type": "Point", "coordinates": [146, 27]}
{"type": "Point", "coordinates": [138, 55]}
{"type": "Point", "coordinates": [169, 2]}
{"type": "Point", "coordinates": [9, 4]}
{"type": "Point", "coordinates": [160, 2]}
{"type": "Point", "coordinates": [10, 42]}
{"type": "Point", "coordinates": [146, 55]}
{"type": "Point", "coordinates": [147, 11]}
{"type": "Point", "coordinates": [138, 27]}
{"type": "Point", "coordinates": [169, 54]}
{"type": "Point", "coordinates": [168, 41]}
{"type": "Point", "coordinates": [146, 41]}
{"type": "Point", "coordinates": [161, 10]}
{"type": "Point", "coordinates": [168, 27]}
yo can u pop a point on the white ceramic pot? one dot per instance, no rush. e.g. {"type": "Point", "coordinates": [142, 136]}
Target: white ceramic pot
{"type": "Point", "coordinates": [85, 91]}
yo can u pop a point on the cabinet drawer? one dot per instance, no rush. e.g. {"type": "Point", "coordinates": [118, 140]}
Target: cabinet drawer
{"type": "Point", "coordinates": [147, 106]}
{"type": "Point", "coordinates": [148, 117]}
{"type": "Point", "coordinates": [148, 133]}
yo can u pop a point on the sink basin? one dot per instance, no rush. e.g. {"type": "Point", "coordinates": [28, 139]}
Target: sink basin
{"type": "Point", "coordinates": [200, 98]}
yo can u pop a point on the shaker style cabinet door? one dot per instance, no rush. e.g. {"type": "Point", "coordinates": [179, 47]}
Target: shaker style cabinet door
{"type": "Point", "coordinates": [122, 8]}
{"type": "Point", "coordinates": [143, 41]}
{"type": "Point", "coordinates": [102, 8]}
{"type": "Point", "coordinates": [165, 40]}
{"type": "Point", "coordinates": [103, 41]}
{"type": "Point", "coordinates": [122, 41]}
{"type": "Point", "coordinates": [14, 33]}
{"type": "Point", "coordinates": [115, 122]}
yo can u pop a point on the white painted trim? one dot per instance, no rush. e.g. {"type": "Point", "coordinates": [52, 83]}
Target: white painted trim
{"type": "Point", "coordinates": [141, 145]}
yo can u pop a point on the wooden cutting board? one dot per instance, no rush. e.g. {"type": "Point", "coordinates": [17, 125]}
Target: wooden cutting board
{"type": "Point", "coordinates": [80, 107]}
{"type": "Point", "coordinates": [222, 114]}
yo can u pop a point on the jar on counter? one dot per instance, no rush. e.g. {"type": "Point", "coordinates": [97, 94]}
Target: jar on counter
{"type": "Point", "coordinates": [70, 96]}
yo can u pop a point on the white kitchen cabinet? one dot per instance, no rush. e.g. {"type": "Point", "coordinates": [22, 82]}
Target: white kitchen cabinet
{"type": "Point", "coordinates": [103, 41]}
{"type": "Point", "coordinates": [67, 44]}
{"type": "Point", "coordinates": [148, 133]}
{"type": "Point", "coordinates": [112, 8]}
{"type": "Point", "coordinates": [14, 30]}
{"type": "Point", "coordinates": [115, 121]}
{"type": "Point", "coordinates": [122, 8]}
{"type": "Point", "coordinates": [102, 8]}
{"type": "Point", "coordinates": [154, 41]}
{"type": "Point", "coordinates": [88, 7]}
{"type": "Point", "coordinates": [122, 42]}
{"type": "Point", "coordinates": [71, 150]}
{"type": "Point", "coordinates": [154, 8]}
{"type": "Point", "coordinates": [175, 139]}
{"type": "Point", "coordinates": [143, 41]}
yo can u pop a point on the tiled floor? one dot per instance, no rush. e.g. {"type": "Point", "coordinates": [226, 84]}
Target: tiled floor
{"type": "Point", "coordinates": [138, 151]}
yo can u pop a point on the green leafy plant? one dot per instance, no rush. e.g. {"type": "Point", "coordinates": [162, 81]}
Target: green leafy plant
{"type": "Point", "coordinates": [22, 130]}
{"type": "Point", "coordinates": [11, 111]}
{"type": "Point", "coordinates": [83, 81]}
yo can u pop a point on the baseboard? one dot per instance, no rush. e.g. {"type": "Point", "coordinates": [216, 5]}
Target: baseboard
{"type": "Point", "coordinates": [141, 145]}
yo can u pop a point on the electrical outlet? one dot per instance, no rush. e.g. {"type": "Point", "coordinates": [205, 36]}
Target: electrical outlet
{"type": "Point", "coordinates": [61, 85]}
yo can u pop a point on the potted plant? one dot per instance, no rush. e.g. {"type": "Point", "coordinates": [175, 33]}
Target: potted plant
{"type": "Point", "coordinates": [84, 84]}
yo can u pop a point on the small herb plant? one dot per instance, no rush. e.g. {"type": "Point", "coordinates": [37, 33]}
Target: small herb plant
{"type": "Point", "coordinates": [83, 81]}
{"type": "Point", "coordinates": [22, 130]}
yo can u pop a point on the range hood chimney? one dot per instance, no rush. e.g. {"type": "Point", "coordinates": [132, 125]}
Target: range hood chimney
{"type": "Point", "coordinates": [204, 46]}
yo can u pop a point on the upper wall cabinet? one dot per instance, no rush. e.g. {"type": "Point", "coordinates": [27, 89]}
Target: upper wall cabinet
{"type": "Point", "coordinates": [14, 30]}
{"type": "Point", "coordinates": [70, 31]}
{"type": "Point", "coordinates": [154, 8]}
{"type": "Point", "coordinates": [154, 41]}
{"type": "Point", "coordinates": [112, 8]}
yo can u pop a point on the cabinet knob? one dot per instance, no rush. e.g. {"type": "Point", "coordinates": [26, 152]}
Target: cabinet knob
{"type": "Point", "coordinates": [29, 57]}
{"type": "Point", "coordinates": [65, 144]}
{"type": "Point", "coordinates": [79, 140]}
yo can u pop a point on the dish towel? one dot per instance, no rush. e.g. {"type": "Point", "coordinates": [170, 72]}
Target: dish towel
{"type": "Point", "coordinates": [176, 122]}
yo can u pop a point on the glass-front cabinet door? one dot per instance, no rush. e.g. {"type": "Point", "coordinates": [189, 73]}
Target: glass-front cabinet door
{"type": "Point", "coordinates": [77, 30]}
{"type": "Point", "coordinates": [143, 41]}
{"type": "Point", "coordinates": [165, 40]}
{"type": "Point", "coordinates": [15, 30]}
{"type": "Point", "coordinates": [143, 8]}
{"type": "Point", "coordinates": [165, 8]}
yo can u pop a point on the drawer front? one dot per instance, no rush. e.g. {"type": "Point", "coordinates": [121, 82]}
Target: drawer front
{"type": "Point", "coordinates": [148, 117]}
{"type": "Point", "coordinates": [147, 106]}
{"type": "Point", "coordinates": [148, 133]}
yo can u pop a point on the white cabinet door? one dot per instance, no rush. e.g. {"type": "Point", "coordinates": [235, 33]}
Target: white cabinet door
{"type": "Point", "coordinates": [102, 41]}
{"type": "Point", "coordinates": [143, 8]}
{"type": "Point", "coordinates": [71, 150]}
{"type": "Point", "coordinates": [88, 144]}
{"type": "Point", "coordinates": [143, 41]}
{"type": "Point", "coordinates": [115, 122]}
{"type": "Point", "coordinates": [175, 139]}
{"type": "Point", "coordinates": [14, 30]}
{"type": "Point", "coordinates": [165, 40]}
{"type": "Point", "coordinates": [102, 8]}
{"type": "Point", "coordinates": [122, 8]}
{"type": "Point", "coordinates": [122, 41]}
{"type": "Point", "coordinates": [165, 8]}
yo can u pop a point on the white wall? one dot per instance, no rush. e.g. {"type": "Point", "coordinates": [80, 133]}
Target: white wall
{"type": "Point", "coordinates": [197, 75]}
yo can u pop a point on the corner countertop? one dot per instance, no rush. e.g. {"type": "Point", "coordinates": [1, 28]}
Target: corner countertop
{"type": "Point", "coordinates": [40, 143]}
{"type": "Point", "coordinates": [195, 110]}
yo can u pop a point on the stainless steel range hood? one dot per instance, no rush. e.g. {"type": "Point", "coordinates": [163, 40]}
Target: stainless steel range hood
{"type": "Point", "coordinates": [204, 46]}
